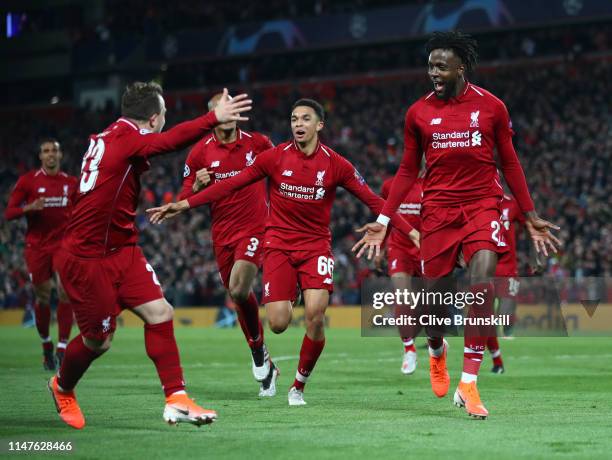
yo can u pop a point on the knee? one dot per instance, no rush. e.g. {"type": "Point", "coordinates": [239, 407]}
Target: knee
{"type": "Point", "coordinates": [316, 322]}
{"type": "Point", "coordinates": [238, 294]}
{"type": "Point", "coordinates": [99, 346]}
{"type": "Point", "coordinates": [278, 325]}
{"type": "Point", "coordinates": [43, 294]}
{"type": "Point", "coordinates": [165, 314]}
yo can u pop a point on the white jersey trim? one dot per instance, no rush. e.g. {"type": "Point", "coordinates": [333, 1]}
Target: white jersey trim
{"type": "Point", "coordinates": [128, 122]}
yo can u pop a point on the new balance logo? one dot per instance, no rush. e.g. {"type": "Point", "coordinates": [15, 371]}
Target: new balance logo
{"type": "Point", "coordinates": [436, 121]}
{"type": "Point", "coordinates": [215, 164]}
{"type": "Point", "coordinates": [327, 281]}
{"type": "Point", "coordinates": [287, 172]}
{"type": "Point", "coordinates": [41, 190]}
{"type": "Point", "coordinates": [476, 139]}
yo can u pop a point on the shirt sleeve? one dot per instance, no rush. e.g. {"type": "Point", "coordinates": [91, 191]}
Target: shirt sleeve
{"type": "Point", "coordinates": [146, 144]}
{"type": "Point", "coordinates": [264, 143]}
{"type": "Point", "coordinates": [510, 165]}
{"type": "Point", "coordinates": [384, 191]}
{"type": "Point", "coordinates": [263, 166]}
{"type": "Point", "coordinates": [409, 167]}
{"type": "Point", "coordinates": [517, 214]}
{"type": "Point", "coordinates": [19, 195]}
{"type": "Point", "coordinates": [351, 180]}
{"type": "Point", "coordinates": [189, 173]}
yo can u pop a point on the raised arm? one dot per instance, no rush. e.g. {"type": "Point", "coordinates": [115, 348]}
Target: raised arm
{"type": "Point", "coordinates": [183, 134]}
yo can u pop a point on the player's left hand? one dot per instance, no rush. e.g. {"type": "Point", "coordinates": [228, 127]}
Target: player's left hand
{"type": "Point", "coordinates": [539, 231]}
{"type": "Point", "coordinates": [167, 211]}
{"type": "Point", "coordinates": [372, 240]}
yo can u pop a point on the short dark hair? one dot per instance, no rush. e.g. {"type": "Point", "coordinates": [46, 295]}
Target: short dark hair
{"type": "Point", "coordinates": [48, 140]}
{"type": "Point", "coordinates": [314, 105]}
{"type": "Point", "coordinates": [463, 45]}
{"type": "Point", "coordinates": [140, 100]}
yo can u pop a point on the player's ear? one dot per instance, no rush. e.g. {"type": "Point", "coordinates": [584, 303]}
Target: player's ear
{"type": "Point", "coordinates": [153, 120]}
{"type": "Point", "coordinates": [320, 125]}
{"type": "Point", "coordinates": [461, 69]}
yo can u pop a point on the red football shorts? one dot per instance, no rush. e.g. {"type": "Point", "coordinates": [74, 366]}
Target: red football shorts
{"type": "Point", "coordinates": [284, 270]}
{"type": "Point", "coordinates": [468, 228]}
{"type": "Point", "coordinates": [402, 261]}
{"type": "Point", "coordinates": [100, 288]}
{"type": "Point", "coordinates": [39, 262]}
{"type": "Point", "coordinates": [249, 249]}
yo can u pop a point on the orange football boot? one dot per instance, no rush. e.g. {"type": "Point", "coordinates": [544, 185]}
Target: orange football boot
{"type": "Point", "coordinates": [180, 408]}
{"type": "Point", "coordinates": [467, 396]}
{"type": "Point", "coordinates": [438, 373]}
{"type": "Point", "coordinates": [66, 405]}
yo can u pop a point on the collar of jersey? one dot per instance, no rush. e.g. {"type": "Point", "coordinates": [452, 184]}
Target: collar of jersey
{"type": "Point", "coordinates": [316, 150]}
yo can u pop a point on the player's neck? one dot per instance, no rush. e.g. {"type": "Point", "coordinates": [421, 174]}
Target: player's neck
{"type": "Point", "coordinates": [308, 148]}
{"type": "Point", "coordinates": [226, 136]}
{"type": "Point", "coordinates": [459, 87]}
{"type": "Point", "coordinates": [51, 171]}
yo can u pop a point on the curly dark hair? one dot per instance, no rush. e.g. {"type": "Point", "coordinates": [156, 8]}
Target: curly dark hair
{"type": "Point", "coordinates": [463, 45]}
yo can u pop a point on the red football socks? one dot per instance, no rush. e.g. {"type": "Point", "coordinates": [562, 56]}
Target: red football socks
{"type": "Point", "coordinates": [64, 321]}
{"type": "Point", "coordinates": [248, 317]}
{"type": "Point", "coordinates": [476, 337]}
{"type": "Point", "coordinates": [162, 349]}
{"type": "Point", "coordinates": [309, 354]}
{"type": "Point", "coordinates": [493, 346]}
{"type": "Point", "coordinates": [42, 315]}
{"type": "Point", "coordinates": [76, 361]}
{"type": "Point", "coordinates": [408, 344]}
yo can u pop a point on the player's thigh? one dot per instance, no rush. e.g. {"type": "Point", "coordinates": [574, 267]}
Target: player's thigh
{"type": "Point", "coordinates": [224, 256]}
{"type": "Point", "coordinates": [139, 288]}
{"type": "Point", "coordinates": [280, 277]}
{"type": "Point", "coordinates": [482, 265]}
{"type": "Point", "coordinates": [40, 268]}
{"type": "Point", "coordinates": [316, 302]}
{"type": "Point", "coordinates": [241, 278]}
{"type": "Point", "coordinates": [90, 287]}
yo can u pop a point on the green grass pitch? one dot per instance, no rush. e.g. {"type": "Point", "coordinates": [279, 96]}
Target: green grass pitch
{"type": "Point", "coordinates": [555, 401]}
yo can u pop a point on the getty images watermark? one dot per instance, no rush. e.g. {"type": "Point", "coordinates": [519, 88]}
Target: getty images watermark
{"type": "Point", "coordinates": [530, 306]}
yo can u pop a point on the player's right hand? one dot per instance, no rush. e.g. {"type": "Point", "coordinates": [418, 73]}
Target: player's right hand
{"type": "Point", "coordinates": [230, 109]}
{"type": "Point", "coordinates": [372, 240]}
{"type": "Point", "coordinates": [37, 205]}
{"type": "Point", "coordinates": [202, 180]}
{"type": "Point", "coordinates": [167, 211]}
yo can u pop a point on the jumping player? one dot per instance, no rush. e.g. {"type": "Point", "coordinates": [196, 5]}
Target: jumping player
{"type": "Point", "coordinates": [237, 227]}
{"type": "Point", "coordinates": [303, 176]}
{"type": "Point", "coordinates": [100, 265]}
{"type": "Point", "coordinates": [45, 197]}
{"type": "Point", "coordinates": [457, 126]}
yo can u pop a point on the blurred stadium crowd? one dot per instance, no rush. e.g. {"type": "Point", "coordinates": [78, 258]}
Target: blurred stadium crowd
{"type": "Point", "coordinates": [561, 113]}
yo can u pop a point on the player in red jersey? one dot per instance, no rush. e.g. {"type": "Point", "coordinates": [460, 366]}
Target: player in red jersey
{"type": "Point", "coordinates": [404, 264]}
{"type": "Point", "coordinates": [303, 175]}
{"type": "Point", "coordinates": [457, 126]}
{"type": "Point", "coordinates": [238, 223]}
{"type": "Point", "coordinates": [45, 197]}
{"type": "Point", "coordinates": [100, 265]}
{"type": "Point", "coordinates": [506, 282]}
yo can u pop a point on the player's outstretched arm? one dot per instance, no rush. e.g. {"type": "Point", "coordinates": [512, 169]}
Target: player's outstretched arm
{"type": "Point", "coordinates": [540, 233]}
{"type": "Point", "coordinates": [188, 132]}
{"type": "Point", "coordinates": [167, 211]}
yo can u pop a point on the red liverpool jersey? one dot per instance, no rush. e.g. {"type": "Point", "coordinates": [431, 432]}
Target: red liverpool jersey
{"type": "Point", "coordinates": [103, 217]}
{"type": "Point", "coordinates": [242, 213]}
{"type": "Point", "coordinates": [45, 227]}
{"type": "Point", "coordinates": [511, 213]}
{"type": "Point", "coordinates": [458, 137]}
{"type": "Point", "coordinates": [302, 189]}
{"type": "Point", "coordinates": [410, 209]}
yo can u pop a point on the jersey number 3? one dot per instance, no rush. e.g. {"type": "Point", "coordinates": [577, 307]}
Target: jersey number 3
{"type": "Point", "coordinates": [89, 168]}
